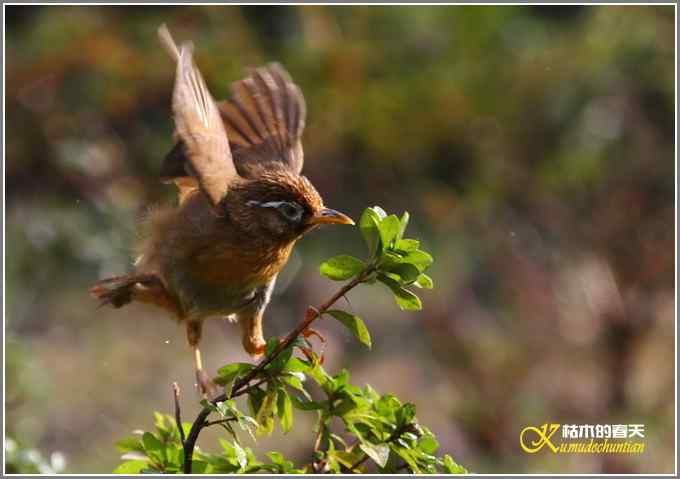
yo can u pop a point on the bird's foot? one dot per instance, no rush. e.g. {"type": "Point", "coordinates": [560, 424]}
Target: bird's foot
{"type": "Point", "coordinates": [207, 388]}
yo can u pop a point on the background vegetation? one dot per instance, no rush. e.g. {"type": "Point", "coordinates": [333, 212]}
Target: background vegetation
{"type": "Point", "coordinates": [532, 145]}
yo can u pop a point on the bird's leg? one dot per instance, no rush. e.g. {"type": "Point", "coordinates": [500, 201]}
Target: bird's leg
{"type": "Point", "coordinates": [251, 325]}
{"type": "Point", "coordinates": [206, 386]}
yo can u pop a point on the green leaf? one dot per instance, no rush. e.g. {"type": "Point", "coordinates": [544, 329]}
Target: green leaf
{"type": "Point", "coordinates": [128, 444]}
{"type": "Point", "coordinates": [285, 410]}
{"type": "Point", "coordinates": [379, 211]}
{"type": "Point", "coordinates": [241, 457]}
{"type": "Point", "coordinates": [131, 467]}
{"type": "Point", "coordinates": [451, 467]}
{"type": "Point", "coordinates": [389, 230]}
{"type": "Point", "coordinates": [403, 223]}
{"type": "Point", "coordinates": [420, 259]}
{"type": "Point", "coordinates": [342, 267]}
{"type": "Point", "coordinates": [405, 299]}
{"type": "Point", "coordinates": [406, 272]}
{"type": "Point", "coordinates": [428, 444]}
{"type": "Point", "coordinates": [151, 443]}
{"type": "Point", "coordinates": [406, 455]}
{"type": "Point", "coordinates": [424, 281]}
{"type": "Point", "coordinates": [255, 398]}
{"type": "Point", "coordinates": [265, 415]}
{"type": "Point", "coordinates": [305, 405]}
{"type": "Point", "coordinates": [281, 360]}
{"type": "Point", "coordinates": [297, 365]}
{"type": "Point", "coordinates": [368, 224]}
{"type": "Point", "coordinates": [226, 374]}
{"type": "Point", "coordinates": [271, 345]}
{"type": "Point", "coordinates": [407, 245]}
{"type": "Point", "coordinates": [405, 414]}
{"type": "Point", "coordinates": [380, 453]}
{"type": "Point", "coordinates": [354, 324]}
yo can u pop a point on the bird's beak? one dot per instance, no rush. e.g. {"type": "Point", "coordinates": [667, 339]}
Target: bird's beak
{"type": "Point", "coordinates": [328, 216]}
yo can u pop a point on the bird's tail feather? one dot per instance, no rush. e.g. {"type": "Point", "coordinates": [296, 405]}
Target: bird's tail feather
{"type": "Point", "coordinates": [116, 291]}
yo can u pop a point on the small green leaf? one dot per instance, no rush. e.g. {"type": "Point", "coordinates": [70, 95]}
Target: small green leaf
{"type": "Point", "coordinates": [130, 444]}
{"type": "Point", "coordinates": [389, 230]}
{"type": "Point", "coordinates": [420, 259]}
{"type": "Point", "coordinates": [406, 455]}
{"type": "Point", "coordinates": [368, 224]}
{"type": "Point", "coordinates": [354, 324]}
{"type": "Point", "coordinates": [406, 300]}
{"type": "Point", "coordinates": [285, 410]}
{"type": "Point", "coordinates": [281, 360]}
{"type": "Point", "coordinates": [406, 272]}
{"type": "Point", "coordinates": [255, 398]}
{"type": "Point", "coordinates": [403, 223]}
{"type": "Point", "coordinates": [379, 211]}
{"type": "Point", "coordinates": [428, 444]}
{"type": "Point", "coordinates": [271, 345]}
{"type": "Point", "coordinates": [241, 457]}
{"type": "Point", "coordinates": [131, 467]}
{"type": "Point", "coordinates": [341, 267]}
{"type": "Point", "coordinates": [305, 405]}
{"type": "Point", "coordinates": [296, 365]}
{"type": "Point", "coordinates": [380, 453]}
{"type": "Point", "coordinates": [266, 412]}
{"type": "Point", "coordinates": [226, 374]}
{"type": "Point", "coordinates": [407, 245]}
{"type": "Point", "coordinates": [294, 382]}
{"type": "Point", "coordinates": [405, 414]}
{"type": "Point", "coordinates": [151, 443]}
{"type": "Point", "coordinates": [424, 281]}
{"type": "Point", "coordinates": [451, 467]}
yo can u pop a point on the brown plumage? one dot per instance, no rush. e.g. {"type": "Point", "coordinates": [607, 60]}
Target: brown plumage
{"type": "Point", "coordinates": [242, 204]}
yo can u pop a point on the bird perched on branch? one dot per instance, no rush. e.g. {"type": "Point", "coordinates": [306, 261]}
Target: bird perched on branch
{"type": "Point", "coordinates": [242, 205]}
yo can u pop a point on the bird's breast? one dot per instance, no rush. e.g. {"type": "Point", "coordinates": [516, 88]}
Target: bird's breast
{"type": "Point", "coordinates": [222, 280]}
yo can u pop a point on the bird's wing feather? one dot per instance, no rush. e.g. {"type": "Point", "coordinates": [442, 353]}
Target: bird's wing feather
{"type": "Point", "coordinates": [199, 125]}
{"type": "Point", "coordinates": [264, 121]}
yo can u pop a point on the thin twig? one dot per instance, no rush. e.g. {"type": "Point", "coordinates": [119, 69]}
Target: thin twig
{"type": "Point", "coordinates": [238, 389]}
{"type": "Point", "coordinates": [319, 437]}
{"type": "Point", "coordinates": [178, 414]}
{"type": "Point", "coordinates": [249, 388]}
{"type": "Point", "coordinates": [219, 421]}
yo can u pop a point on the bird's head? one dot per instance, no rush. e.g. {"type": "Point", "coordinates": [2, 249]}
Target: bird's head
{"type": "Point", "coordinates": [282, 205]}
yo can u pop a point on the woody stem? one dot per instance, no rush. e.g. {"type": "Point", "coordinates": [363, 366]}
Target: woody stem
{"type": "Point", "coordinates": [241, 386]}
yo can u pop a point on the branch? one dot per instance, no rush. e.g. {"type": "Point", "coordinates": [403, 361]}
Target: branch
{"type": "Point", "coordinates": [241, 387]}
{"type": "Point", "coordinates": [178, 415]}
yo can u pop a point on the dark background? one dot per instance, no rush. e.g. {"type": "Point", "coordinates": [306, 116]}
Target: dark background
{"type": "Point", "coordinates": [533, 147]}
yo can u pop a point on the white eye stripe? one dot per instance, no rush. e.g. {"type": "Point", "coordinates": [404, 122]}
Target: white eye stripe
{"type": "Point", "coordinates": [273, 204]}
{"type": "Point", "coordinates": [268, 204]}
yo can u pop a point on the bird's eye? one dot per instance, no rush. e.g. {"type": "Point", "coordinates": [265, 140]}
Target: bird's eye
{"type": "Point", "coordinates": [291, 211]}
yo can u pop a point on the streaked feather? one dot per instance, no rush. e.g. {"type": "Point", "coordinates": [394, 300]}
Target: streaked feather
{"type": "Point", "coordinates": [198, 125]}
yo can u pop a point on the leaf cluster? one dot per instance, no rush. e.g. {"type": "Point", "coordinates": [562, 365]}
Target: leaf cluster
{"type": "Point", "coordinates": [393, 260]}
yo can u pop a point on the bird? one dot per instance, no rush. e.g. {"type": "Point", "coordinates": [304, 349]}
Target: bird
{"type": "Point", "coordinates": [242, 205]}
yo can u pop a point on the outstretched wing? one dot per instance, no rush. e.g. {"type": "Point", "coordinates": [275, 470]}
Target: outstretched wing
{"type": "Point", "coordinates": [199, 125]}
{"type": "Point", "coordinates": [264, 121]}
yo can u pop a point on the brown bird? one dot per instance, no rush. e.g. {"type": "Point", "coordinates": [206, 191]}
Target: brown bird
{"type": "Point", "coordinates": [242, 205]}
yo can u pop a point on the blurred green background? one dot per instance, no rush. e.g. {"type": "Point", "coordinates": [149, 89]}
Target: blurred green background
{"type": "Point", "coordinates": [532, 145]}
